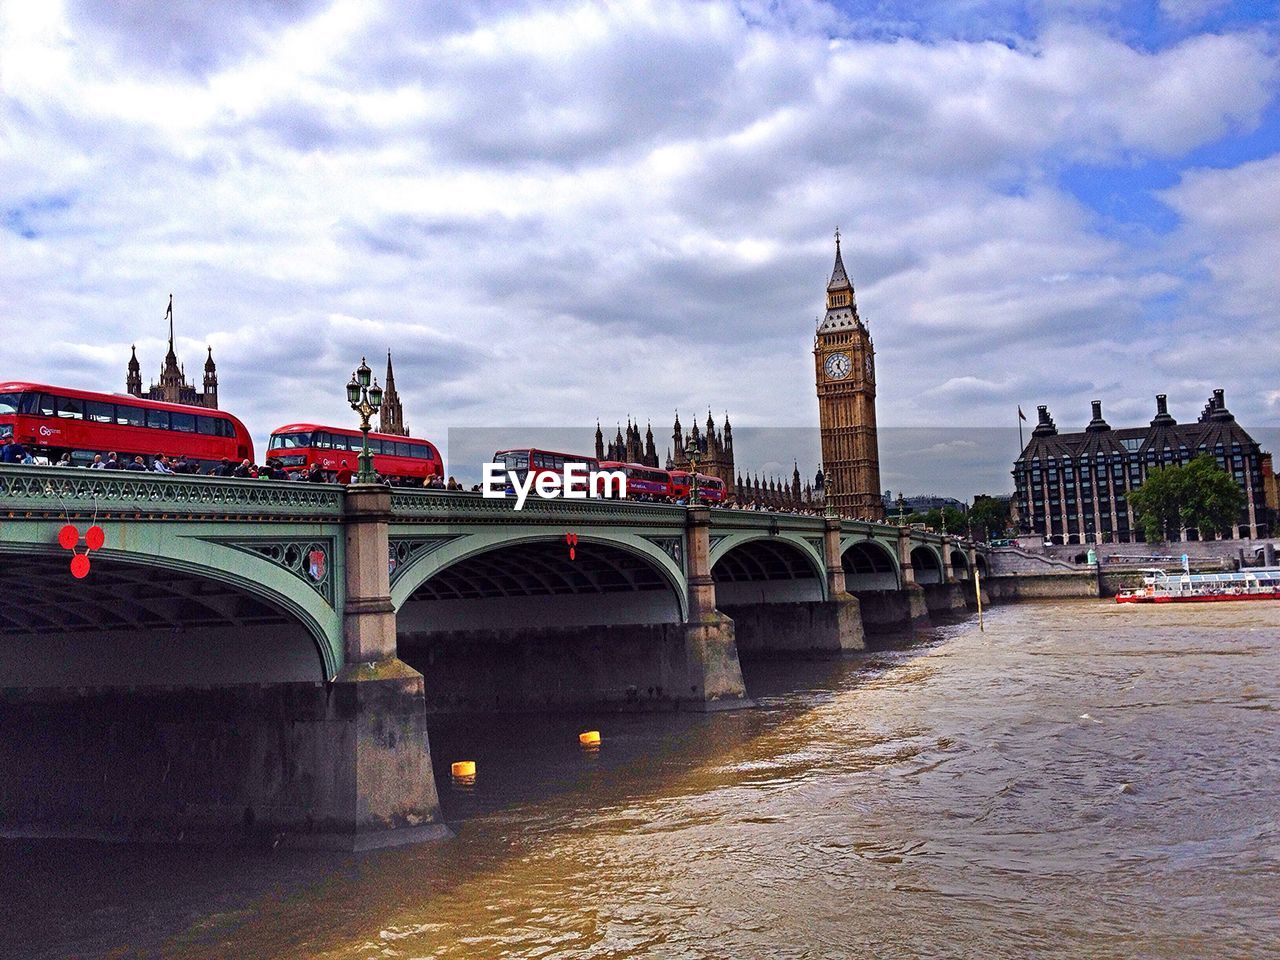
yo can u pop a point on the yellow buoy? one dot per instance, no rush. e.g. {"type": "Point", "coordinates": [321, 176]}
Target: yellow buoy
{"type": "Point", "coordinates": [464, 768]}
{"type": "Point", "coordinates": [589, 739]}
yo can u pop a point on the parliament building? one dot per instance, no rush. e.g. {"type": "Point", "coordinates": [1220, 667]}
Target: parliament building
{"type": "Point", "coordinates": [172, 387]}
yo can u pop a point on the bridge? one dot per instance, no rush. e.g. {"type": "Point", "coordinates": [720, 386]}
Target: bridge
{"type": "Point", "coordinates": [261, 656]}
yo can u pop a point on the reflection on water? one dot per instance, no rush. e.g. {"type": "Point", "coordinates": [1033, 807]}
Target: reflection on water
{"type": "Point", "coordinates": [1080, 780]}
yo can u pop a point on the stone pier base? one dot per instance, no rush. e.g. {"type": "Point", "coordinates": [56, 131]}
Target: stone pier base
{"type": "Point", "coordinates": [887, 611]}
{"type": "Point", "coordinates": [657, 666]}
{"type": "Point", "coordinates": [343, 764]}
{"type": "Point", "coordinates": [813, 628]}
{"type": "Point", "coordinates": [945, 599]}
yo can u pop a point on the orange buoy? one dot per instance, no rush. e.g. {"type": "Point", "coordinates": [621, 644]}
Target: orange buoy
{"type": "Point", "coordinates": [464, 768]}
{"type": "Point", "coordinates": [589, 739]}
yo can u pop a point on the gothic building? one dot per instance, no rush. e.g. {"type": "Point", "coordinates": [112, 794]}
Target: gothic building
{"type": "Point", "coordinates": [172, 387]}
{"type": "Point", "coordinates": [844, 363]}
{"type": "Point", "coordinates": [715, 450]}
{"type": "Point", "coordinates": [1074, 487]}
{"type": "Point", "coordinates": [629, 448]}
{"type": "Point", "coordinates": [391, 414]}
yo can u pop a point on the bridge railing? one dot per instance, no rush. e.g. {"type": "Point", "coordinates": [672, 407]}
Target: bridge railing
{"type": "Point", "coordinates": [72, 490]}
{"type": "Point", "coordinates": [456, 505]}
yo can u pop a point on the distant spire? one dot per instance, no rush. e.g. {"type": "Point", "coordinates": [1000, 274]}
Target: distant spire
{"type": "Point", "coordinates": [209, 365]}
{"type": "Point", "coordinates": [168, 315]}
{"type": "Point", "coordinates": [391, 377]}
{"type": "Point", "coordinates": [839, 277]}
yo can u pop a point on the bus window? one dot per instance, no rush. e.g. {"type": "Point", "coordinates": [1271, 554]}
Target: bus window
{"type": "Point", "coordinates": [402, 449]}
{"type": "Point", "coordinates": [130, 416]}
{"type": "Point", "coordinates": [47, 406]}
{"type": "Point", "coordinates": [320, 440]}
{"type": "Point", "coordinates": [158, 419]}
{"type": "Point", "coordinates": [183, 422]}
{"type": "Point", "coordinates": [99, 412]}
{"type": "Point", "coordinates": [209, 427]}
{"type": "Point", "coordinates": [226, 428]}
{"type": "Point", "coordinates": [290, 441]}
{"type": "Point", "coordinates": [518, 460]}
{"type": "Point", "coordinates": [9, 403]}
{"type": "Point", "coordinates": [375, 446]}
{"type": "Point", "coordinates": [70, 408]}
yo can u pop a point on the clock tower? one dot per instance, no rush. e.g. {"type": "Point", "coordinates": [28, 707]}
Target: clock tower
{"type": "Point", "coordinates": [844, 363]}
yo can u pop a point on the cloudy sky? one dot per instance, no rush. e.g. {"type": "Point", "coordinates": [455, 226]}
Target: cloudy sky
{"type": "Point", "coordinates": [553, 212]}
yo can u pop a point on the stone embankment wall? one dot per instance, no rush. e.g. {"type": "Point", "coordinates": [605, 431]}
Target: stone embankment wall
{"type": "Point", "coordinates": [1018, 574]}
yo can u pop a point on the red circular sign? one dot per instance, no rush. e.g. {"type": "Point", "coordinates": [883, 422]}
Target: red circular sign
{"type": "Point", "coordinates": [94, 538]}
{"type": "Point", "coordinates": [80, 566]}
{"type": "Point", "coordinates": [68, 537]}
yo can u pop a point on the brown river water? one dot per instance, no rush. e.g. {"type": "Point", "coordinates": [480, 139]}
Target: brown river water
{"type": "Point", "coordinates": [959, 794]}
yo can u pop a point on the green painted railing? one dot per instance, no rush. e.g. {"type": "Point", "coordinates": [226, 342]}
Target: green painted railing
{"type": "Point", "coordinates": [45, 490]}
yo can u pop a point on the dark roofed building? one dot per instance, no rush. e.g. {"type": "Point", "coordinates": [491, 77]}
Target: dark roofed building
{"type": "Point", "coordinates": [1073, 487]}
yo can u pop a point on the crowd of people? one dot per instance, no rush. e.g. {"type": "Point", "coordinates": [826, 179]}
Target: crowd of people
{"type": "Point", "coordinates": [274, 469]}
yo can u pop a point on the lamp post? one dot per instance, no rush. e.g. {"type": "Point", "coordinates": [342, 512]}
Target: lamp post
{"type": "Point", "coordinates": [902, 510]}
{"type": "Point", "coordinates": [829, 494]}
{"type": "Point", "coordinates": [694, 459]}
{"type": "Point", "coordinates": [365, 400]}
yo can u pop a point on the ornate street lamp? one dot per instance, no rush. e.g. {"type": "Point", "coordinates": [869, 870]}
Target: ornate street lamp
{"type": "Point", "coordinates": [365, 400]}
{"type": "Point", "coordinates": [829, 488]}
{"type": "Point", "coordinates": [902, 510]}
{"type": "Point", "coordinates": [694, 459]}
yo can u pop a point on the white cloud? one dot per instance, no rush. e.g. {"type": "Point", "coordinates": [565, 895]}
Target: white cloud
{"type": "Point", "coordinates": [553, 212]}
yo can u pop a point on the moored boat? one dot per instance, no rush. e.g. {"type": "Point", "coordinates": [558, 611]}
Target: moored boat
{"type": "Point", "coordinates": [1161, 587]}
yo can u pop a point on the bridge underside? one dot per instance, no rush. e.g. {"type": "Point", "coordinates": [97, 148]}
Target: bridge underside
{"type": "Point", "coordinates": [525, 627]}
{"type": "Point", "coordinates": [775, 594]}
{"type": "Point", "coordinates": [128, 624]}
{"type": "Point", "coordinates": [144, 702]}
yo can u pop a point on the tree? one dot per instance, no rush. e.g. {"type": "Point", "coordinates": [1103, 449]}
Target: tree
{"type": "Point", "coordinates": [1199, 495]}
{"type": "Point", "coordinates": [1212, 500]}
{"type": "Point", "coordinates": [989, 517]}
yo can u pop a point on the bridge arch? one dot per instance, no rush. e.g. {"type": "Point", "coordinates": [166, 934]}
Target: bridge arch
{"type": "Point", "coordinates": [759, 568]}
{"type": "Point", "coordinates": [960, 564]}
{"type": "Point", "coordinates": [481, 582]}
{"type": "Point", "coordinates": [870, 565]}
{"type": "Point", "coordinates": [927, 564]}
{"type": "Point", "coordinates": [159, 621]}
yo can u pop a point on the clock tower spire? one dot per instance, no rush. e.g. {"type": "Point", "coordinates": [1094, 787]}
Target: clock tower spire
{"type": "Point", "coordinates": [844, 362]}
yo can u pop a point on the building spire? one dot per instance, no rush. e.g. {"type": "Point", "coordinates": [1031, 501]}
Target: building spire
{"type": "Point", "coordinates": [839, 276]}
{"type": "Point", "coordinates": [168, 315]}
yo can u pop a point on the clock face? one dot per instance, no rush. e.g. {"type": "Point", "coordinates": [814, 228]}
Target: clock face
{"type": "Point", "coordinates": [870, 367]}
{"type": "Point", "coordinates": [837, 366]}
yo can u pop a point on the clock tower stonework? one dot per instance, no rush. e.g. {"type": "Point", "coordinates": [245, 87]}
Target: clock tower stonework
{"type": "Point", "coordinates": [844, 363]}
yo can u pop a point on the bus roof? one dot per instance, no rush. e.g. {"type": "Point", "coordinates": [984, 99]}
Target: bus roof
{"type": "Point", "coordinates": [22, 386]}
{"type": "Point", "coordinates": [346, 432]}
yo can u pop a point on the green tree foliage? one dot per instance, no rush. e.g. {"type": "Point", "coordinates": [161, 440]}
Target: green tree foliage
{"type": "Point", "coordinates": [1199, 495]}
{"type": "Point", "coordinates": [933, 519]}
{"type": "Point", "coordinates": [989, 517]}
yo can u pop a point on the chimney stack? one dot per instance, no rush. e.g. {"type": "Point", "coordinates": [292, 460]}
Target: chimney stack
{"type": "Point", "coordinates": [1162, 405]}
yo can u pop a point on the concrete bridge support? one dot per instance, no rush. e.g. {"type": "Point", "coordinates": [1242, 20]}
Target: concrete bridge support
{"type": "Point", "coordinates": [713, 673]}
{"type": "Point", "coordinates": [382, 789]}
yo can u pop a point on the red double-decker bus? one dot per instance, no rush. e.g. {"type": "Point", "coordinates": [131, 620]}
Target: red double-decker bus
{"type": "Point", "coordinates": [52, 421]}
{"type": "Point", "coordinates": [337, 449]}
{"type": "Point", "coordinates": [528, 460]}
{"type": "Point", "coordinates": [642, 481]}
{"type": "Point", "coordinates": [710, 489]}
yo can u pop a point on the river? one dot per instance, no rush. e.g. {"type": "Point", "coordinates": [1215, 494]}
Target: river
{"type": "Point", "coordinates": [1080, 780]}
